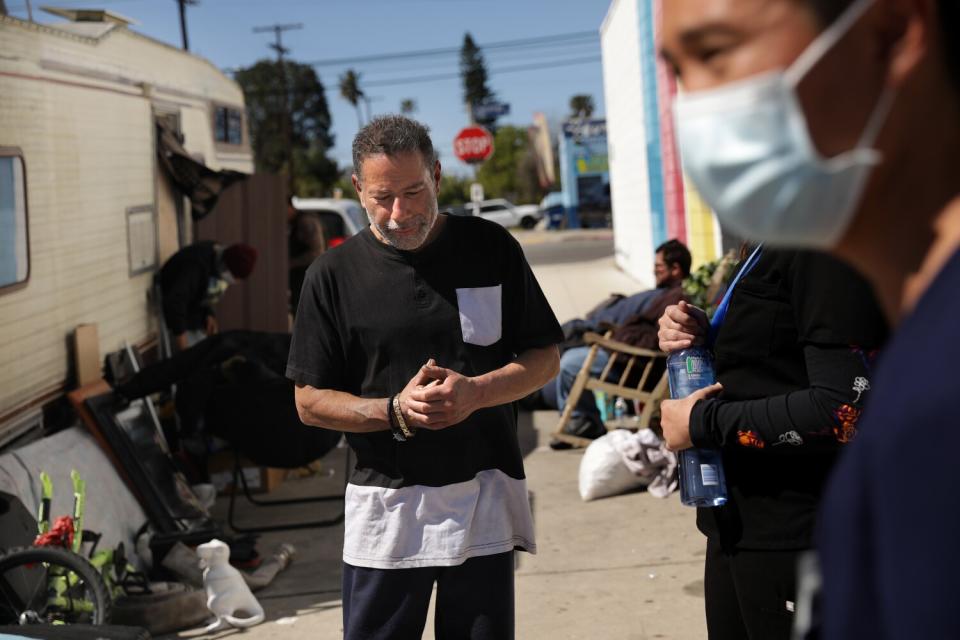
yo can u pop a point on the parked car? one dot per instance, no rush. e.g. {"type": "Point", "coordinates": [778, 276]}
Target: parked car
{"type": "Point", "coordinates": [341, 218]}
{"type": "Point", "coordinates": [595, 208]}
{"type": "Point", "coordinates": [507, 214]}
{"type": "Point", "coordinates": [551, 207]}
{"type": "Point", "coordinates": [458, 210]}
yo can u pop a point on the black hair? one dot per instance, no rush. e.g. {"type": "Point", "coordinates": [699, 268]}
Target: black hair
{"type": "Point", "coordinates": [949, 18]}
{"type": "Point", "coordinates": [675, 252]}
{"type": "Point", "coordinates": [392, 135]}
{"type": "Point", "coordinates": [949, 11]}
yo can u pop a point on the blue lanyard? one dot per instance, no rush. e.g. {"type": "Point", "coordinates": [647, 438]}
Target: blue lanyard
{"type": "Point", "coordinates": [721, 313]}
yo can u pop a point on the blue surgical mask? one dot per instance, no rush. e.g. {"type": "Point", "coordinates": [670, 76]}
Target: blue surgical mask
{"type": "Point", "coordinates": [747, 148]}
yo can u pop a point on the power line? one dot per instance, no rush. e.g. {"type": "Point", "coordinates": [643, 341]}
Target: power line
{"type": "Point", "coordinates": [498, 57]}
{"type": "Point", "coordinates": [523, 67]}
{"type": "Point", "coordinates": [500, 50]}
{"type": "Point", "coordinates": [285, 124]}
{"type": "Point", "coordinates": [450, 76]}
{"type": "Point", "coordinates": [73, 4]}
{"type": "Point", "coordinates": [278, 30]}
{"type": "Point", "coordinates": [372, 77]}
{"type": "Point", "coordinates": [523, 42]}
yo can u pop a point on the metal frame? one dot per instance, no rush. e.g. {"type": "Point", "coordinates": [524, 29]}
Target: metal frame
{"type": "Point", "coordinates": [240, 480]}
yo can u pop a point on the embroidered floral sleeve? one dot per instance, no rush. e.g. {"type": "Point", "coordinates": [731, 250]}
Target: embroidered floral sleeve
{"type": "Point", "coordinates": [824, 415]}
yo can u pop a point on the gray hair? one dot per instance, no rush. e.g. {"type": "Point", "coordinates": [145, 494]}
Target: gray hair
{"type": "Point", "coordinates": [391, 136]}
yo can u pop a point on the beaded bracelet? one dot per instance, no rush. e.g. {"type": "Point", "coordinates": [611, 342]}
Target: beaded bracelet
{"type": "Point", "coordinates": [398, 426]}
{"type": "Point", "coordinates": [392, 422]}
{"type": "Point", "coordinates": [398, 413]}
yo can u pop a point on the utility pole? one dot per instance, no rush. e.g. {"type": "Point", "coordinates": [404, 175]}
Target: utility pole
{"type": "Point", "coordinates": [285, 126]}
{"type": "Point", "coordinates": [183, 21]}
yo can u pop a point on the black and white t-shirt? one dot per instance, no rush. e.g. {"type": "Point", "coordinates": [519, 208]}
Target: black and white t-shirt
{"type": "Point", "coordinates": [369, 317]}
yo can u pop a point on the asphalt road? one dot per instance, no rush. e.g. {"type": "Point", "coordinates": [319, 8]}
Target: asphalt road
{"type": "Point", "coordinates": [567, 250]}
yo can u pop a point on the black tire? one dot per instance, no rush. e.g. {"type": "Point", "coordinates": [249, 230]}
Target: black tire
{"type": "Point", "coordinates": [528, 222]}
{"type": "Point", "coordinates": [25, 586]}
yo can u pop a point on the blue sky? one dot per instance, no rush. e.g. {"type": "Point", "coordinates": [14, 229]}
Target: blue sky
{"type": "Point", "coordinates": [221, 30]}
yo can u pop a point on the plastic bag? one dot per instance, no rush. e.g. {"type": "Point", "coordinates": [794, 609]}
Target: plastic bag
{"type": "Point", "coordinates": [603, 472]}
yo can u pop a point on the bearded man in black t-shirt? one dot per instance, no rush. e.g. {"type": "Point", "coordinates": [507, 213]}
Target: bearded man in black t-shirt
{"type": "Point", "coordinates": [416, 337]}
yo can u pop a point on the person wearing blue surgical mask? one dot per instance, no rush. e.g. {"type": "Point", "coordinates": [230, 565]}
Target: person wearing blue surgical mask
{"type": "Point", "coordinates": [835, 124]}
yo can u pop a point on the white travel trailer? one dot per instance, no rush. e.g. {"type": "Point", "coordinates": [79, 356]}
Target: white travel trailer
{"type": "Point", "coordinates": [87, 212]}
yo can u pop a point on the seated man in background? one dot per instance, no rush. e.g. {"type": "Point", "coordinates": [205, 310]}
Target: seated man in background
{"type": "Point", "coordinates": [618, 308]}
{"type": "Point", "coordinates": [671, 266]}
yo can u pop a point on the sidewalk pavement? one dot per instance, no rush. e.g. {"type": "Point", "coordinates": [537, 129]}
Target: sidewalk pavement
{"type": "Point", "coordinates": [628, 567]}
{"type": "Point", "coordinates": [575, 287]}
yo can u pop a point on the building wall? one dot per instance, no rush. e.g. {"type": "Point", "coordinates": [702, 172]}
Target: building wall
{"type": "Point", "coordinates": [627, 141]}
{"type": "Point", "coordinates": [688, 216]}
{"type": "Point", "coordinates": [651, 121]}
{"type": "Point", "coordinates": [639, 94]}
{"type": "Point", "coordinates": [80, 109]}
{"type": "Point", "coordinates": [673, 189]}
{"type": "Point", "coordinates": [703, 232]}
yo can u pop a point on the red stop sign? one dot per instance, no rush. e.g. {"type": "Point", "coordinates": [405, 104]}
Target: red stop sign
{"type": "Point", "coordinates": [473, 144]}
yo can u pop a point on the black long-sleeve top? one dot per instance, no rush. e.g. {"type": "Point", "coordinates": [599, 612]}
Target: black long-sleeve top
{"type": "Point", "coordinates": [794, 357]}
{"type": "Point", "coordinates": [184, 280]}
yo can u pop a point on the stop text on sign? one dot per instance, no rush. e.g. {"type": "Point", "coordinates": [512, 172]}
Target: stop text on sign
{"type": "Point", "coordinates": [473, 144]}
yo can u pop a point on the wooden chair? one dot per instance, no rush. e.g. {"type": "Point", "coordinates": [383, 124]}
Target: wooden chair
{"type": "Point", "coordinates": [642, 362]}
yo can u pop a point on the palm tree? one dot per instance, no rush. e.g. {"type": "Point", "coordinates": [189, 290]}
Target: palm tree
{"type": "Point", "coordinates": [351, 92]}
{"type": "Point", "coordinates": [581, 106]}
{"type": "Point", "coordinates": [408, 106]}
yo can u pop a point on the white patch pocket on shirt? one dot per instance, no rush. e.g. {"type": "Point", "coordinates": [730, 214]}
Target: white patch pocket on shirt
{"type": "Point", "coordinates": [480, 314]}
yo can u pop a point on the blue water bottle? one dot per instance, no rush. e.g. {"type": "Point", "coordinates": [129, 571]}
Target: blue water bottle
{"type": "Point", "coordinates": [702, 483]}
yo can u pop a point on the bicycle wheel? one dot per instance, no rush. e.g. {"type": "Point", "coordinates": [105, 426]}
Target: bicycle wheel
{"type": "Point", "coordinates": [51, 585]}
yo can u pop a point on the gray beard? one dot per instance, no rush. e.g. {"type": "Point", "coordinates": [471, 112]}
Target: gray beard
{"type": "Point", "coordinates": [407, 243]}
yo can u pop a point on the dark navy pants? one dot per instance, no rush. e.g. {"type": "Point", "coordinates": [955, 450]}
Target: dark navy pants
{"type": "Point", "coordinates": [474, 601]}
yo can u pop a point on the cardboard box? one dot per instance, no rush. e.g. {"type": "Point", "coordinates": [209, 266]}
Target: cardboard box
{"type": "Point", "coordinates": [259, 479]}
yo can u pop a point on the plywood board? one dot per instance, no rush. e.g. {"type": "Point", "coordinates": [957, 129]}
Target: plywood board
{"type": "Point", "coordinates": [86, 349]}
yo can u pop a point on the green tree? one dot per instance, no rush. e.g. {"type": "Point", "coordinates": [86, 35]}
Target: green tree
{"type": "Point", "coordinates": [351, 92]}
{"type": "Point", "coordinates": [345, 184]}
{"type": "Point", "coordinates": [511, 170]}
{"type": "Point", "coordinates": [408, 106]}
{"type": "Point", "coordinates": [308, 120]}
{"type": "Point", "coordinates": [316, 173]}
{"type": "Point", "coordinates": [581, 106]}
{"type": "Point", "coordinates": [473, 73]}
{"type": "Point", "coordinates": [454, 190]}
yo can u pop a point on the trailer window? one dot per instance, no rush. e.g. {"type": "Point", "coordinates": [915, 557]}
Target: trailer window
{"type": "Point", "coordinates": [228, 125]}
{"type": "Point", "coordinates": [14, 239]}
{"type": "Point", "coordinates": [141, 239]}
